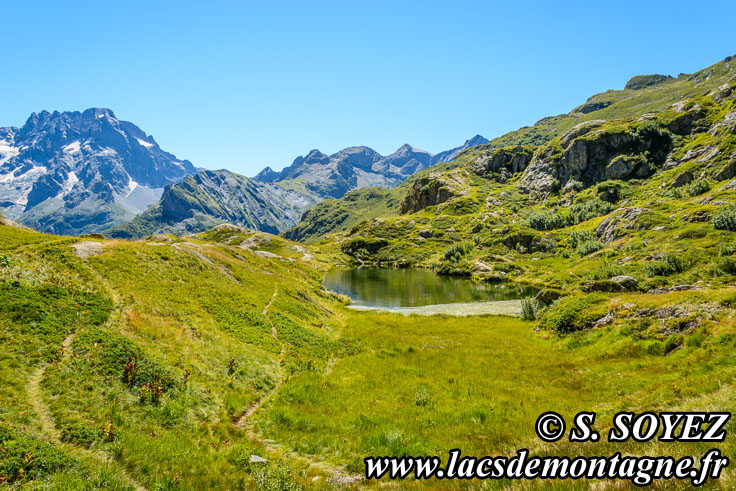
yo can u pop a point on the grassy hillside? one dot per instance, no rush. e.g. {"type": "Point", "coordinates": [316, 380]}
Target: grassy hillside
{"type": "Point", "coordinates": [339, 215]}
{"type": "Point", "coordinates": [560, 217]}
{"type": "Point", "coordinates": [637, 98]}
{"type": "Point", "coordinates": [130, 363]}
{"type": "Point", "coordinates": [177, 363]}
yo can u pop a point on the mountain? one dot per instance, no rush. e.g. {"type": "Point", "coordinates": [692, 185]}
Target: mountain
{"type": "Point", "coordinates": [449, 155]}
{"type": "Point", "coordinates": [79, 172]}
{"type": "Point", "coordinates": [210, 198]}
{"type": "Point", "coordinates": [331, 176]}
{"type": "Point", "coordinates": [275, 201]}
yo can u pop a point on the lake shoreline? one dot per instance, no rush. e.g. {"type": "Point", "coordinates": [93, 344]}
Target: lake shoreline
{"type": "Point", "coordinates": [497, 307]}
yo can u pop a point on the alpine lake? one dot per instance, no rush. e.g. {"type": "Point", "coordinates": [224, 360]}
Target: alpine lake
{"type": "Point", "coordinates": [420, 291]}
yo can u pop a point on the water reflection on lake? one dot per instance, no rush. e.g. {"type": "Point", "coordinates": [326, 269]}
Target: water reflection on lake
{"type": "Point", "coordinates": [399, 288]}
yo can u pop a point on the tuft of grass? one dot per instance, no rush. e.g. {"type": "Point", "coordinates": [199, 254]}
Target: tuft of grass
{"type": "Point", "coordinates": [529, 308]}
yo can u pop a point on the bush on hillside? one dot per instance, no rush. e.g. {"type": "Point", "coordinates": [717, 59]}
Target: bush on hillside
{"type": "Point", "coordinates": [589, 247]}
{"type": "Point", "coordinates": [79, 434]}
{"type": "Point", "coordinates": [725, 218]}
{"type": "Point", "coordinates": [668, 265]}
{"type": "Point", "coordinates": [698, 187]}
{"type": "Point", "coordinates": [727, 265]}
{"type": "Point", "coordinates": [566, 217]}
{"type": "Point", "coordinates": [573, 313]}
{"type": "Point", "coordinates": [24, 458]}
{"type": "Point", "coordinates": [577, 237]}
{"type": "Point", "coordinates": [457, 251]}
{"type": "Point", "coordinates": [727, 249]}
{"type": "Point", "coordinates": [545, 220]}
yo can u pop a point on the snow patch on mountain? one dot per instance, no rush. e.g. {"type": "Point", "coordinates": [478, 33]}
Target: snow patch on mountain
{"type": "Point", "coordinates": [72, 148]}
{"type": "Point", "coordinates": [7, 151]}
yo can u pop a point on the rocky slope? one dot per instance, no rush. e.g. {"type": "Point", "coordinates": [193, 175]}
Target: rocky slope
{"type": "Point", "coordinates": [79, 172]}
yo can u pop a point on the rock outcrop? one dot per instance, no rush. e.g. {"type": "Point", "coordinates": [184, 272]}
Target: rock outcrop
{"type": "Point", "coordinates": [643, 81]}
{"type": "Point", "coordinates": [427, 191]}
{"type": "Point", "coordinates": [505, 162]}
{"type": "Point", "coordinates": [589, 157]}
{"type": "Point", "coordinates": [614, 226]}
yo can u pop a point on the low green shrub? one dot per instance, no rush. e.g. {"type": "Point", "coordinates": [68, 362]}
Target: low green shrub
{"type": "Point", "coordinates": [729, 301]}
{"type": "Point", "coordinates": [654, 348]}
{"type": "Point", "coordinates": [604, 271]}
{"type": "Point", "coordinates": [573, 313]}
{"type": "Point", "coordinates": [79, 434]}
{"type": "Point", "coordinates": [24, 458]}
{"type": "Point", "coordinates": [566, 217]}
{"type": "Point", "coordinates": [725, 218]}
{"type": "Point", "coordinates": [277, 478]}
{"type": "Point", "coordinates": [698, 187]}
{"type": "Point", "coordinates": [545, 220]}
{"type": "Point", "coordinates": [725, 338]}
{"type": "Point", "coordinates": [727, 249]}
{"type": "Point", "coordinates": [696, 339]}
{"type": "Point", "coordinates": [588, 247]}
{"type": "Point", "coordinates": [727, 265]}
{"type": "Point", "coordinates": [668, 265]}
{"type": "Point", "coordinates": [577, 237]}
{"type": "Point", "coordinates": [457, 251]}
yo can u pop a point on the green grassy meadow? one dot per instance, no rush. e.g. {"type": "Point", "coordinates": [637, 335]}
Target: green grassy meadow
{"type": "Point", "coordinates": [167, 364]}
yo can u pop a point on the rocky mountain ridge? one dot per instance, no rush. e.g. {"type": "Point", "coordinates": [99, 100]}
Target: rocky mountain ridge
{"type": "Point", "coordinates": [276, 201]}
{"type": "Point", "coordinates": [83, 172]}
{"type": "Point", "coordinates": [331, 176]}
{"type": "Point", "coordinates": [210, 198]}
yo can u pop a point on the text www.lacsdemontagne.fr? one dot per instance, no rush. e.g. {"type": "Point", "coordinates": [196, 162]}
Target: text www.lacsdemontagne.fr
{"type": "Point", "coordinates": [641, 471]}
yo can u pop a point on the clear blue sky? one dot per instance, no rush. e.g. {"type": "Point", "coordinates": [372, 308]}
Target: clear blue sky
{"type": "Point", "coordinates": [243, 85]}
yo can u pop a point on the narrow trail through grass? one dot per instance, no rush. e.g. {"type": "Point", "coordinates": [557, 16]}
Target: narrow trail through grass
{"type": "Point", "coordinates": [338, 475]}
{"type": "Point", "coordinates": [279, 379]}
{"type": "Point", "coordinates": [35, 396]}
